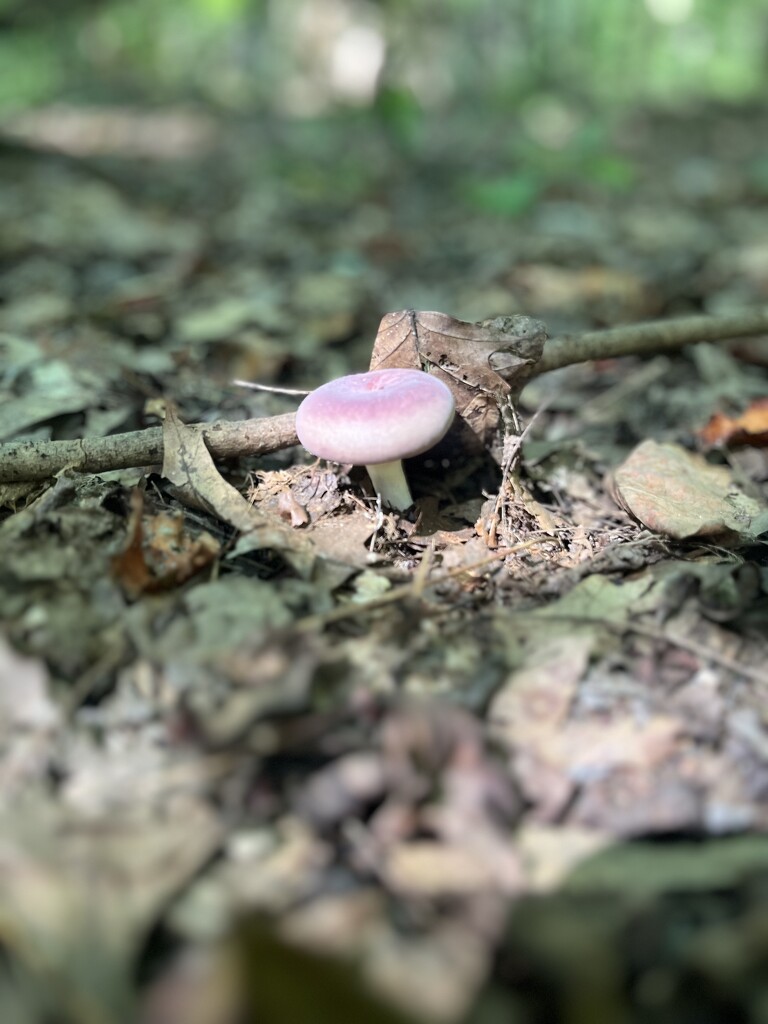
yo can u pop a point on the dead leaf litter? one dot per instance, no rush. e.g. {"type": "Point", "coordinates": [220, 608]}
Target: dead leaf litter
{"type": "Point", "coordinates": [244, 688]}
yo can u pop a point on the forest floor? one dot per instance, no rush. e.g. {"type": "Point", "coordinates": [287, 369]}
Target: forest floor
{"type": "Point", "coordinates": [500, 756]}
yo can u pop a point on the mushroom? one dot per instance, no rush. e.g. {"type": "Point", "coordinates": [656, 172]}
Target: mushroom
{"type": "Point", "coordinates": [374, 420]}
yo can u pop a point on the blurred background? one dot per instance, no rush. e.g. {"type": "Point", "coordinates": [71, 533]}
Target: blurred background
{"type": "Point", "coordinates": [303, 58]}
{"type": "Point", "coordinates": [279, 174]}
{"type": "Point", "coordinates": [193, 191]}
{"type": "Point", "coordinates": [242, 188]}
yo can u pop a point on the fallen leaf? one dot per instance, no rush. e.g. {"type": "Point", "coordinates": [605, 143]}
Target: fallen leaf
{"type": "Point", "coordinates": [494, 356]}
{"type": "Point", "coordinates": [750, 428]}
{"type": "Point", "coordinates": [159, 555]}
{"type": "Point", "coordinates": [599, 599]}
{"type": "Point", "coordinates": [188, 464]}
{"type": "Point", "coordinates": [484, 364]}
{"type": "Point", "coordinates": [643, 868]}
{"type": "Point", "coordinates": [291, 510]}
{"type": "Point", "coordinates": [426, 868]}
{"type": "Point", "coordinates": [676, 492]}
{"type": "Point", "coordinates": [79, 895]}
{"type": "Point", "coordinates": [612, 772]}
{"type": "Point", "coordinates": [24, 699]}
{"type": "Point", "coordinates": [50, 388]}
{"type": "Point", "coordinates": [640, 799]}
{"type": "Point", "coordinates": [308, 498]}
{"type": "Point", "coordinates": [530, 712]}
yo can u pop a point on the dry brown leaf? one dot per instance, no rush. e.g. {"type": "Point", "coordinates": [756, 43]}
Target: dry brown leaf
{"type": "Point", "coordinates": [539, 695]}
{"type": "Point", "coordinates": [596, 760]}
{"type": "Point", "coordinates": [494, 356]}
{"type": "Point", "coordinates": [311, 499]}
{"type": "Point", "coordinates": [596, 747]}
{"type": "Point", "coordinates": [291, 510]}
{"type": "Point", "coordinates": [636, 801]}
{"type": "Point", "coordinates": [159, 555]}
{"type": "Point", "coordinates": [188, 464]}
{"type": "Point", "coordinates": [750, 428]}
{"type": "Point", "coordinates": [483, 364]}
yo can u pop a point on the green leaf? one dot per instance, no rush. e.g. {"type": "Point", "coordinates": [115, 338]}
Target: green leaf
{"type": "Point", "coordinates": [507, 196]}
{"type": "Point", "coordinates": [612, 171]}
{"type": "Point", "coordinates": [649, 869]}
{"type": "Point", "coordinates": [401, 113]}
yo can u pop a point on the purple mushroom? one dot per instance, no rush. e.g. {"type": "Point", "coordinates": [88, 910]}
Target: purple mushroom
{"type": "Point", "coordinates": [374, 420]}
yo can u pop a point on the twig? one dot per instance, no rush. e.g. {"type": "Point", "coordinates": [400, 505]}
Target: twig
{"type": "Point", "coordinates": [644, 339]}
{"type": "Point", "coordinates": [38, 460]}
{"type": "Point", "coordinates": [271, 388]}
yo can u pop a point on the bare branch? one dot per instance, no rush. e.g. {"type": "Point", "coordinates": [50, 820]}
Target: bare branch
{"type": "Point", "coordinates": [644, 339]}
{"type": "Point", "coordinates": [38, 460]}
{"type": "Point", "coordinates": [271, 388]}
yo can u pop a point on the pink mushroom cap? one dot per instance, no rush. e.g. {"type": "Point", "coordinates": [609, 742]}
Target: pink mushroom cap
{"type": "Point", "coordinates": [380, 416]}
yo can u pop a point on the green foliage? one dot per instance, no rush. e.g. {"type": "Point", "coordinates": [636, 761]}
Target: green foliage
{"type": "Point", "coordinates": [646, 870]}
{"type": "Point", "coordinates": [612, 172]}
{"type": "Point", "coordinates": [33, 70]}
{"type": "Point", "coordinates": [247, 53]}
{"type": "Point", "coordinates": [401, 114]}
{"type": "Point", "coordinates": [222, 9]}
{"type": "Point", "coordinates": [585, 157]}
{"type": "Point", "coordinates": [506, 196]}
{"type": "Point", "coordinates": [645, 933]}
{"type": "Point", "coordinates": [758, 175]}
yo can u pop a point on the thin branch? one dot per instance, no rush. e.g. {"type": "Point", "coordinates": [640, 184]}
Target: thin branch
{"type": "Point", "coordinates": [39, 460]}
{"type": "Point", "coordinates": [644, 339]}
{"type": "Point", "coordinates": [271, 388]}
{"type": "Point", "coordinates": [21, 461]}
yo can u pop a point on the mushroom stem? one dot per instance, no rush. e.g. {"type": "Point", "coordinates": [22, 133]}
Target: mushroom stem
{"type": "Point", "coordinates": [388, 479]}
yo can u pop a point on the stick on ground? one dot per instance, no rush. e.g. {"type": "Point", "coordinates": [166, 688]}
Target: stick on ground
{"type": "Point", "coordinates": [648, 338]}
{"type": "Point", "coordinates": [38, 460]}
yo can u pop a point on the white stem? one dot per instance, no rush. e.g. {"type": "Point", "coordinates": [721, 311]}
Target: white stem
{"type": "Point", "coordinates": [390, 484]}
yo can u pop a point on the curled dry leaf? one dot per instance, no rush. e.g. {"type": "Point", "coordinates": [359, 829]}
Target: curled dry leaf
{"type": "Point", "coordinates": [159, 555]}
{"type": "Point", "coordinates": [291, 510]}
{"type": "Point", "coordinates": [484, 364]}
{"type": "Point", "coordinates": [750, 428]}
{"type": "Point", "coordinates": [188, 464]}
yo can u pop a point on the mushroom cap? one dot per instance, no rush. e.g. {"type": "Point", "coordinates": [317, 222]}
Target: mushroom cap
{"type": "Point", "coordinates": [373, 417]}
